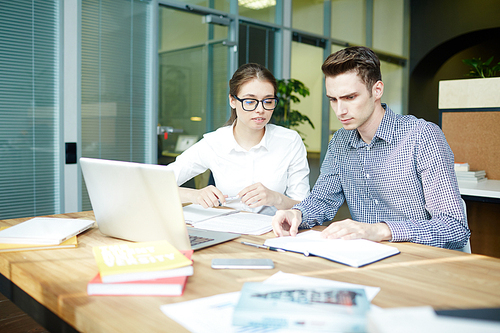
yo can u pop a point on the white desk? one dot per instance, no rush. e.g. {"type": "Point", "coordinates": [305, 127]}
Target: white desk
{"type": "Point", "coordinates": [487, 189]}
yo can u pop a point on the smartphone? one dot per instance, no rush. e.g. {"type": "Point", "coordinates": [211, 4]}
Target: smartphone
{"type": "Point", "coordinates": [242, 263]}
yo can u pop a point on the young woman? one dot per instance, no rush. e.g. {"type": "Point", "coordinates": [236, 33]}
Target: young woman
{"type": "Point", "coordinates": [262, 166]}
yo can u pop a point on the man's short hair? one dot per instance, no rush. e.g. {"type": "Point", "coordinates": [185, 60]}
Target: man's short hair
{"type": "Point", "coordinates": [359, 59]}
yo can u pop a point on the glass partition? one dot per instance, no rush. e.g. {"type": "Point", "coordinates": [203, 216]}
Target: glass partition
{"type": "Point", "coordinates": [307, 15]}
{"type": "Point", "coordinates": [256, 44]}
{"type": "Point", "coordinates": [306, 67]}
{"type": "Point", "coordinates": [222, 5]}
{"type": "Point", "coordinates": [335, 124]}
{"type": "Point", "coordinates": [384, 27]}
{"type": "Point", "coordinates": [348, 21]}
{"type": "Point", "coordinates": [193, 81]}
{"type": "Point", "coordinates": [392, 76]}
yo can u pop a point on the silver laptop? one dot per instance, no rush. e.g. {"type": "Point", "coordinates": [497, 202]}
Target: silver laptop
{"type": "Point", "coordinates": [140, 202]}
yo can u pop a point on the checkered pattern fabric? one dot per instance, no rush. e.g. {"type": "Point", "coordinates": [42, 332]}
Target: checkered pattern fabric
{"type": "Point", "coordinates": [405, 177]}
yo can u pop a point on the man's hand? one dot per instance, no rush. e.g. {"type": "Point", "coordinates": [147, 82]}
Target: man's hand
{"type": "Point", "coordinates": [349, 229]}
{"type": "Point", "coordinates": [286, 222]}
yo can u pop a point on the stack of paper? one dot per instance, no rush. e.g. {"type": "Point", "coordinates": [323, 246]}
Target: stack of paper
{"type": "Point", "coordinates": [356, 253]}
{"type": "Point", "coordinates": [471, 176]}
{"type": "Point", "coordinates": [227, 220]}
{"type": "Point", "coordinates": [144, 268]}
{"type": "Point", "coordinates": [465, 175]}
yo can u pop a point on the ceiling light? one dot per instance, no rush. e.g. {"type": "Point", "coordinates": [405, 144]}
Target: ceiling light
{"type": "Point", "coordinates": [257, 4]}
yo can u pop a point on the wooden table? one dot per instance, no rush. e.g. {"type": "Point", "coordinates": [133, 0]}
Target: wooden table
{"type": "Point", "coordinates": [419, 275]}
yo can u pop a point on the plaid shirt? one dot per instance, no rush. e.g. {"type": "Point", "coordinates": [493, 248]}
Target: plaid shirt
{"type": "Point", "coordinates": [404, 177]}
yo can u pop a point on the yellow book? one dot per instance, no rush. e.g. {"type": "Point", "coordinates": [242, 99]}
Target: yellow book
{"type": "Point", "coordinates": [140, 261]}
{"type": "Point", "coordinates": [72, 242]}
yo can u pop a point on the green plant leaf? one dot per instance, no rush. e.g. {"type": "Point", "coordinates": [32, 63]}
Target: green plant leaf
{"type": "Point", "coordinates": [480, 68]}
{"type": "Point", "coordinates": [290, 91]}
{"type": "Point", "coordinates": [487, 62]}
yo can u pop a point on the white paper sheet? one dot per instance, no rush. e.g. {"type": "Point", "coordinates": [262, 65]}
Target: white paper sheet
{"type": "Point", "coordinates": [240, 223]}
{"type": "Point", "coordinates": [424, 319]}
{"type": "Point", "coordinates": [196, 213]}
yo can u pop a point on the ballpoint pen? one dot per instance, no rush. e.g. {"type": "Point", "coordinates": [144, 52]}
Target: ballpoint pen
{"type": "Point", "coordinates": [229, 199]}
{"type": "Point", "coordinates": [264, 247]}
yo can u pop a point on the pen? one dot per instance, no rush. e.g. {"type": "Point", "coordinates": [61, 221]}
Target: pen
{"type": "Point", "coordinates": [230, 199]}
{"type": "Point", "coordinates": [263, 247]}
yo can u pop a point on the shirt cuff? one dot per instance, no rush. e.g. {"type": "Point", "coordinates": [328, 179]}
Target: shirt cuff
{"type": "Point", "coordinates": [305, 224]}
{"type": "Point", "coordinates": [400, 231]}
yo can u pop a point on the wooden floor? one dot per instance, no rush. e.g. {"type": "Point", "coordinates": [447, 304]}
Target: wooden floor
{"type": "Point", "coordinates": [13, 320]}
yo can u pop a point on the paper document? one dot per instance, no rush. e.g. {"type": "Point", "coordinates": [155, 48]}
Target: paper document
{"type": "Point", "coordinates": [196, 213]}
{"type": "Point", "coordinates": [355, 253]}
{"type": "Point", "coordinates": [215, 313]}
{"type": "Point", "coordinates": [424, 319]}
{"type": "Point", "coordinates": [44, 230]}
{"type": "Point", "coordinates": [240, 223]}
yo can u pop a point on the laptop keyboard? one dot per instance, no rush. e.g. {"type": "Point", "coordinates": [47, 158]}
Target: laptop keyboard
{"type": "Point", "coordinates": [198, 240]}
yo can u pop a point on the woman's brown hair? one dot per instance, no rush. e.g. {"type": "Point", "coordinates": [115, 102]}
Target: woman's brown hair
{"type": "Point", "coordinates": [244, 74]}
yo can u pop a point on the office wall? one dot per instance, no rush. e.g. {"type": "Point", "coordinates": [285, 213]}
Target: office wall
{"type": "Point", "coordinates": [440, 31]}
{"type": "Point", "coordinates": [306, 67]}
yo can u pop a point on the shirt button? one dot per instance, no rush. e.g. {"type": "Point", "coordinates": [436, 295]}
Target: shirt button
{"type": "Point", "coordinates": [367, 176]}
{"type": "Point", "coordinates": [376, 202]}
{"type": "Point", "coordinates": [367, 147]}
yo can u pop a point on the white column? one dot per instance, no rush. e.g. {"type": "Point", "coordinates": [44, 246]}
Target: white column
{"type": "Point", "coordinates": [71, 101]}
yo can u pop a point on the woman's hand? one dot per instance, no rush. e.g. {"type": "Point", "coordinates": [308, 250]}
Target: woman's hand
{"type": "Point", "coordinates": [207, 197]}
{"type": "Point", "coordinates": [257, 195]}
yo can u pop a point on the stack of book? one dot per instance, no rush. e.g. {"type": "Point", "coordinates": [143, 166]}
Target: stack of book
{"type": "Point", "coordinates": [42, 233]}
{"type": "Point", "coordinates": [464, 174]}
{"type": "Point", "coordinates": [141, 269]}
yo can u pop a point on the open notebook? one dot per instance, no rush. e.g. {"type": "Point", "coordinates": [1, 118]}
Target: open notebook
{"type": "Point", "coordinates": [355, 253]}
{"type": "Point", "coordinates": [140, 202]}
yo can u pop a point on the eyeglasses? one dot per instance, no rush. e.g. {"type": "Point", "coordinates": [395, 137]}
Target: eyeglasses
{"type": "Point", "coordinates": [250, 104]}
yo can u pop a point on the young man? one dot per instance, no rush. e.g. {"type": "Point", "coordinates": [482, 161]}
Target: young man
{"type": "Point", "coordinates": [395, 172]}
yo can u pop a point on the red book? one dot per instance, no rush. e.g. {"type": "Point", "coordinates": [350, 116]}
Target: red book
{"type": "Point", "coordinates": [173, 286]}
{"type": "Point", "coordinates": [170, 286]}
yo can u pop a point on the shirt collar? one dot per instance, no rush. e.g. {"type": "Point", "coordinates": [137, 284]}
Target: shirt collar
{"type": "Point", "coordinates": [232, 145]}
{"type": "Point", "coordinates": [385, 130]}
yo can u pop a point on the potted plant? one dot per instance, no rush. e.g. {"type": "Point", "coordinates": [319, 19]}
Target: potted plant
{"type": "Point", "coordinates": [480, 91]}
{"type": "Point", "coordinates": [482, 69]}
{"type": "Point", "coordinates": [288, 92]}
{"type": "Point", "coordinates": [468, 109]}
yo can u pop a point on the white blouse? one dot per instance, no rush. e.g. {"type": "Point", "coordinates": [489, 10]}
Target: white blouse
{"type": "Point", "coordinates": [279, 162]}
